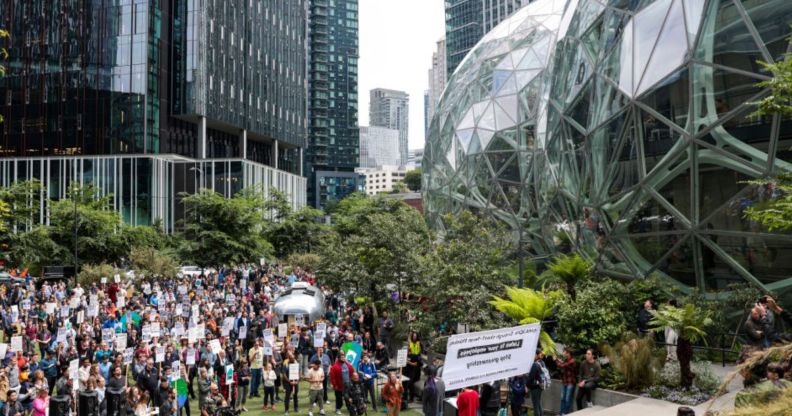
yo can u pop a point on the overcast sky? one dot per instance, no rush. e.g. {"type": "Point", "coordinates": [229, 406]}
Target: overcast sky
{"type": "Point", "coordinates": [397, 38]}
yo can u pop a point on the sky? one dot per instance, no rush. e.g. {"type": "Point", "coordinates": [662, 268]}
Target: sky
{"type": "Point", "coordinates": [397, 38]}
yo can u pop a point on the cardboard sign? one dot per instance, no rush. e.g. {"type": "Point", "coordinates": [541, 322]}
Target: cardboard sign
{"type": "Point", "coordinates": [201, 331]}
{"type": "Point", "coordinates": [283, 330]}
{"type": "Point", "coordinates": [401, 358]}
{"type": "Point", "coordinates": [80, 317]}
{"type": "Point", "coordinates": [294, 371]}
{"type": "Point", "coordinates": [103, 280]}
{"type": "Point", "coordinates": [267, 350]}
{"type": "Point", "coordinates": [190, 356]}
{"type": "Point", "coordinates": [295, 341]}
{"type": "Point", "coordinates": [299, 320]}
{"type": "Point", "coordinates": [176, 367]}
{"type": "Point", "coordinates": [50, 308]}
{"type": "Point", "coordinates": [129, 355]}
{"type": "Point", "coordinates": [178, 330]}
{"type": "Point", "coordinates": [269, 339]}
{"type": "Point", "coordinates": [117, 278]}
{"type": "Point", "coordinates": [120, 302]}
{"type": "Point", "coordinates": [16, 343]}
{"type": "Point", "coordinates": [108, 336]}
{"type": "Point", "coordinates": [321, 327]}
{"type": "Point", "coordinates": [92, 310]}
{"type": "Point", "coordinates": [195, 311]}
{"type": "Point", "coordinates": [74, 369]}
{"type": "Point", "coordinates": [228, 325]}
{"type": "Point", "coordinates": [214, 345]}
{"type": "Point", "coordinates": [65, 311]}
{"type": "Point", "coordinates": [242, 332]}
{"type": "Point", "coordinates": [62, 335]}
{"type": "Point", "coordinates": [120, 341]}
{"type": "Point", "coordinates": [318, 340]}
{"type": "Point", "coordinates": [160, 356]}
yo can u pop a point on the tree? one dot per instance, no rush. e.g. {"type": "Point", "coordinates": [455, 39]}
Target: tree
{"type": "Point", "coordinates": [413, 180]}
{"type": "Point", "coordinates": [296, 233]}
{"type": "Point", "coordinates": [399, 188]}
{"type": "Point", "coordinates": [595, 317]}
{"type": "Point", "coordinates": [148, 261]}
{"type": "Point", "coordinates": [528, 306]}
{"type": "Point", "coordinates": [93, 273]}
{"type": "Point", "coordinates": [22, 199]}
{"type": "Point", "coordinates": [3, 55]}
{"type": "Point", "coordinates": [223, 231]}
{"type": "Point", "coordinates": [35, 248]}
{"type": "Point", "coordinates": [98, 230]}
{"type": "Point", "coordinates": [374, 248]}
{"type": "Point", "coordinates": [568, 270]}
{"type": "Point", "coordinates": [462, 271]}
{"type": "Point", "coordinates": [689, 322]}
{"type": "Point", "coordinates": [777, 213]}
{"type": "Point", "coordinates": [307, 261]}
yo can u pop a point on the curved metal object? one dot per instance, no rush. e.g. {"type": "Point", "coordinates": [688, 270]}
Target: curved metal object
{"type": "Point", "coordinates": [300, 299]}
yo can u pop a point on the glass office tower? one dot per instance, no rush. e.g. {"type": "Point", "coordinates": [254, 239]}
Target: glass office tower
{"type": "Point", "coordinates": [98, 89]}
{"type": "Point", "coordinates": [333, 137]}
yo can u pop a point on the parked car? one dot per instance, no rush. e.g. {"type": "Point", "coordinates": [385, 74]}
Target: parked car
{"type": "Point", "coordinates": [192, 271]}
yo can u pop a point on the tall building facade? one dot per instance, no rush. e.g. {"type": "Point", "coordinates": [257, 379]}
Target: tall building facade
{"type": "Point", "coordinates": [151, 98]}
{"type": "Point", "coordinates": [437, 81]}
{"type": "Point", "coordinates": [333, 137]}
{"type": "Point", "coordinates": [468, 20]}
{"type": "Point", "coordinates": [379, 146]}
{"type": "Point", "coordinates": [391, 109]}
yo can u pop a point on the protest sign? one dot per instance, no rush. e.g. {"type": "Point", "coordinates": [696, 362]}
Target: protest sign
{"type": "Point", "coordinates": [228, 325]}
{"type": "Point", "coordinates": [321, 327]}
{"type": "Point", "coordinates": [120, 302]}
{"type": "Point", "coordinates": [267, 350]}
{"type": "Point", "coordinates": [108, 336]}
{"type": "Point", "coordinates": [65, 311]}
{"type": "Point", "coordinates": [129, 355]}
{"type": "Point", "coordinates": [160, 356]}
{"type": "Point", "coordinates": [80, 317]}
{"type": "Point", "coordinates": [283, 330]}
{"type": "Point", "coordinates": [3, 350]}
{"type": "Point", "coordinates": [120, 341]}
{"type": "Point", "coordinates": [176, 368]}
{"type": "Point", "coordinates": [62, 334]}
{"type": "Point", "coordinates": [299, 320]}
{"type": "Point", "coordinates": [155, 329]}
{"type": "Point", "coordinates": [26, 304]}
{"type": "Point", "coordinates": [318, 340]}
{"type": "Point", "coordinates": [103, 280]}
{"type": "Point", "coordinates": [92, 310]}
{"type": "Point", "coordinates": [229, 378]}
{"type": "Point", "coordinates": [50, 307]}
{"type": "Point", "coordinates": [401, 358]}
{"type": "Point", "coordinates": [16, 343]}
{"type": "Point", "coordinates": [481, 357]}
{"type": "Point", "coordinates": [353, 352]}
{"type": "Point", "coordinates": [294, 371]}
{"type": "Point", "coordinates": [117, 278]}
{"type": "Point", "coordinates": [269, 339]}
{"type": "Point", "coordinates": [295, 341]}
{"type": "Point", "coordinates": [190, 356]}
{"type": "Point", "coordinates": [74, 369]}
{"type": "Point", "coordinates": [215, 346]}
{"type": "Point", "coordinates": [242, 332]}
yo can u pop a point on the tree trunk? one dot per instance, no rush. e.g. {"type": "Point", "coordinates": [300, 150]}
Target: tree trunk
{"type": "Point", "coordinates": [572, 291]}
{"type": "Point", "coordinates": [685, 355]}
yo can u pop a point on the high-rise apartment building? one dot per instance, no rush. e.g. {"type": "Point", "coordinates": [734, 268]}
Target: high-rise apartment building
{"type": "Point", "coordinates": [150, 98]}
{"type": "Point", "coordinates": [379, 146]}
{"type": "Point", "coordinates": [391, 109]}
{"type": "Point", "coordinates": [437, 81]}
{"type": "Point", "coordinates": [333, 136]}
{"type": "Point", "coordinates": [467, 21]}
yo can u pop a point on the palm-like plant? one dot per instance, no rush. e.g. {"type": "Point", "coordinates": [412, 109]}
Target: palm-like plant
{"type": "Point", "coordinates": [568, 271]}
{"type": "Point", "coordinates": [689, 322]}
{"type": "Point", "coordinates": [528, 307]}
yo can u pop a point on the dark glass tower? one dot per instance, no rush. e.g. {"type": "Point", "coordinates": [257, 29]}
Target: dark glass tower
{"type": "Point", "coordinates": [333, 137]}
{"type": "Point", "coordinates": [155, 81]}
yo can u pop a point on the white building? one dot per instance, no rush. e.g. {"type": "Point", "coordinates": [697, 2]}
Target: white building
{"type": "Point", "coordinates": [379, 146]}
{"type": "Point", "coordinates": [391, 109]}
{"type": "Point", "coordinates": [382, 178]}
{"type": "Point", "coordinates": [437, 81]}
{"type": "Point", "coordinates": [414, 159]}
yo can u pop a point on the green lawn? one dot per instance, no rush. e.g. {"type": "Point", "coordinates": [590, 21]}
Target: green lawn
{"type": "Point", "coordinates": [254, 406]}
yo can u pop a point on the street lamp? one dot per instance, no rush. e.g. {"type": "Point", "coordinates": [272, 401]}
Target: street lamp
{"type": "Point", "coordinates": [76, 259]}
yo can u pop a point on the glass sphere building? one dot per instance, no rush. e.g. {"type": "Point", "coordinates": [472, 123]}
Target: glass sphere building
{"type": "Point", "coordinates": [627, 129]}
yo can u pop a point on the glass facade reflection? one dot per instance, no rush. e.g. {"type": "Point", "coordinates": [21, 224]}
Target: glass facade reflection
{"type": "Point", "coordinates": [635, 143]}
{"type": "Point", "coordinates": [333, 136]}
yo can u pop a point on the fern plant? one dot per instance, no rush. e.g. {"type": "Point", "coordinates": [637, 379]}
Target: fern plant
{"type": "Point", "coordinates": [528, 306]}
{"type": "Point", "coordinates": [689, 322]}
{"type": "Point", "coordinates": [567, 271]}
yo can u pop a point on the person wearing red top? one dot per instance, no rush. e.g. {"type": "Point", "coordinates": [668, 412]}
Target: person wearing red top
{"type": "Point", "coordinates": [467, 402]}
{"type": "Point", "coordinates": [340, 376]}
{"type": "Point", "coordinates": [568, 380]}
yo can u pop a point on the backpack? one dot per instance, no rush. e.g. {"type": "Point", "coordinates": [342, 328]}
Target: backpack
{"type": "Point", "coordinates": [544, 377]}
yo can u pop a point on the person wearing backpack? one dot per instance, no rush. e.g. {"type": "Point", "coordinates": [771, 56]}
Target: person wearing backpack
{"type": "Point", "coordinates": [538, 380]}
{"type": "Point", "coordinates": [517, 390]}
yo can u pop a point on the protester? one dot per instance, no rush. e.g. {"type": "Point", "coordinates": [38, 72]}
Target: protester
{"type": "Point", "coordinates": [467, 402]}
{"type": "Point", "coordinates": [433, 393]}
{"type": "Point", "coordinates": [589, 377]}
{"type": "Point", "coordinates": [392, 394]}
{"type": "Point", "coordinates": [368, 371]}
{"type": "Point", "coordinates": [568, 369]}
{"type": "Point", "coordinates": [316, 377]}
{"type": "Point", "coordinates": [535, 382]}
{"type": "Point", "coordinates": [355, 396]}
{"type": "Point", "coordinates": [340, 376]}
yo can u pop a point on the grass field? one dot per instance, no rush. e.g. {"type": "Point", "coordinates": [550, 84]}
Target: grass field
{"type": "Point", "coordinates": [254, 406]}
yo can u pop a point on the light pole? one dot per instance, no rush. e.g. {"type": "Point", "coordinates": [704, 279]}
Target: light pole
{"type": "Point", "coordinates": [76, 259]}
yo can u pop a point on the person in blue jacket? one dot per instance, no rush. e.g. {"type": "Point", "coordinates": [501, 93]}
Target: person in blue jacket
{"type": "Point", "coordinates": [368, 372]}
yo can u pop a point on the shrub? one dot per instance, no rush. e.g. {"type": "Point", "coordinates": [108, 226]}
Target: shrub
{"type": "Point", "coordinates": [595, 318]}
{"type": "Point", "coordinates": [306, 261]}
{"type": "Point", "coordinates": [705, 380]}
{"type": "Point", "coordinates": [636, 359]}
{"type": "Point", "coordinates": [93, 273]}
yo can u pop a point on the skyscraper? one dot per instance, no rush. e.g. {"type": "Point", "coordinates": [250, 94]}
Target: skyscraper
{"type": "Point", "coordinates": [333, 137]}
{"type": "Point", "coordinates": [468, 20]}
{"type": "Point", "coordinates": [391, 109]}
{"type": "Point", "coordinates": [437, 80]}
{"type": "Point", "coordinates": [147, 99]}
{"type": "Point", "coordinates": [379, 146]}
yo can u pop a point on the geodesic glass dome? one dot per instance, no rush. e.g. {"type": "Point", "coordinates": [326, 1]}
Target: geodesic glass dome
{"type": "Point", "coordinates": [642, 154]}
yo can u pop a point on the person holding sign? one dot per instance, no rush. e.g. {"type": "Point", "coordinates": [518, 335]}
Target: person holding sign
{"type": "Point", "coordinates": [290, 381]}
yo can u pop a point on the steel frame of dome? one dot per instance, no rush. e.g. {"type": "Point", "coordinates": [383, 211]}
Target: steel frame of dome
{"type": "Point", "coordinates": [634, 139]}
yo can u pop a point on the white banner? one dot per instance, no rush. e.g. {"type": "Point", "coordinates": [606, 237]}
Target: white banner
{"type": "Point", "coordinates": [481, 357]}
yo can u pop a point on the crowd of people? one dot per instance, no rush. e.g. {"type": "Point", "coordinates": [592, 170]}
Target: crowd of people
{"type": "Point", "coordinates": [154, 345]}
